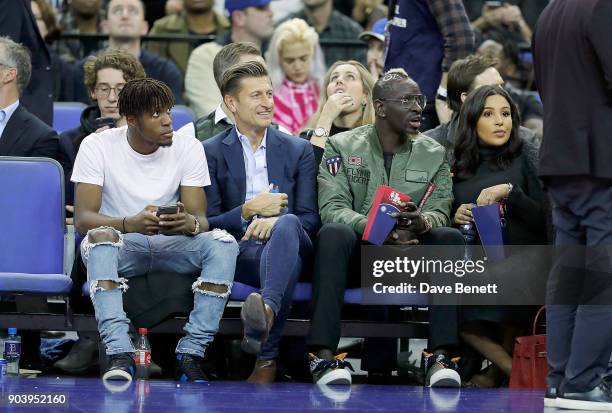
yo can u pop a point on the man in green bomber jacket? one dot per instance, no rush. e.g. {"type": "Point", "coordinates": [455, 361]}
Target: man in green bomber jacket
{"type": "Point", "coordinates": [390, 152]}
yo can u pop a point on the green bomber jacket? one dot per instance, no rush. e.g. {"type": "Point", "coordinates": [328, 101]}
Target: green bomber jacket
{"type": "Point", "coordinates": [353, 167]}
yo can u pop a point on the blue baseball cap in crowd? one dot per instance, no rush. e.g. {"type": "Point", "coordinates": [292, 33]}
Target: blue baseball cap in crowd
{"type": "Point", "coordinates": [377, 32]}
{"type": "Point", "coordinates": [233, 5]}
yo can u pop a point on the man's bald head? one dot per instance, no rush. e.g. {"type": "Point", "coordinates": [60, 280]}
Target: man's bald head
{"type": "Point", "coordinates": [384, 86]}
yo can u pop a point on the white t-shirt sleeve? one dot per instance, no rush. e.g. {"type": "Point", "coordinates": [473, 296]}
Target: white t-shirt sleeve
{"type": "Point", "coordinates": [89, 163]}
{"type": "Point", "coordinates": [195, 167]}
{"type": "Point", "coordinates": [187, 129]}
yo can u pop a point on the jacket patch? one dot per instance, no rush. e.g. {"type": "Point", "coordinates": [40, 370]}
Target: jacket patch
{"type": "Point", "coordinates": [358, 175]}
{"type": "Point", "coordinates": [354, 160]}
{"type": "Point", "coordinates": [333, 164]}
{"type": "Point", "coordinates": [413, 175]}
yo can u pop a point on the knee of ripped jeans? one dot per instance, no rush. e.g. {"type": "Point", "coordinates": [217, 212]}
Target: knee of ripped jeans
{"type": "Point", "coordinates": [222, 235]}
{"type": "Point", "coordinates": [212, 288]}
{"type": "Point", "coordinates": [94, 286]}
{"type": "Point", "coordinates": [100, 236]}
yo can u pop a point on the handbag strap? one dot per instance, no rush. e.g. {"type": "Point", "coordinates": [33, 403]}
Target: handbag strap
{"type": "Point", "coordinates": [535, 320]}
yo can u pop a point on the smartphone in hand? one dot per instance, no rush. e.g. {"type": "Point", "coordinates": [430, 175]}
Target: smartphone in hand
{"type": "Point", "coordinates": [493, 4]}
{"type": "Point", "coordinates": [104, 121]}
{"type": "Point", "coordinates": [169, 209]}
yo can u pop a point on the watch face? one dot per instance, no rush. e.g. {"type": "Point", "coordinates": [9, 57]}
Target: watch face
{"type": "Point", "coordinates": [320, 132]}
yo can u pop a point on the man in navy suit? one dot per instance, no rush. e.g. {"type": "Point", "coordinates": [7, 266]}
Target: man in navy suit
{"type": "Point", "coordinates": [263, 192]}
{"type": "Point", "coordinates": [21, 133]}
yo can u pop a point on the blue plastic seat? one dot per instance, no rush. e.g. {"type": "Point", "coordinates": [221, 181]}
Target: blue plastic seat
{"type": "Point", "coordinates": [181, 115]}
{"type": "Point", "coordinates": [33, 234]}
{"type": "Point", "coordinates": [302, 292]}
{"type": "Point", "coordinates": [67, 115]}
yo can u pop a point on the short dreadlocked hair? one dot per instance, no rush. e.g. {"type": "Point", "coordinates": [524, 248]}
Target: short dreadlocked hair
{"type": "Point", "coordinates": [140, 96]}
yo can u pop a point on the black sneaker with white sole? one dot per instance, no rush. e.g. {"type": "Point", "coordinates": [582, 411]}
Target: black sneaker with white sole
{"type": "Point", "coordinates": [440, 371]}
{"type": "Point", "coordinates": [550, 397]}
{"type": "Point", "coordinates": [334, 371]}
{"type": "Point", "coordinates": [121, 366]}
{"type": "Point", "coordinates": [598, 399]}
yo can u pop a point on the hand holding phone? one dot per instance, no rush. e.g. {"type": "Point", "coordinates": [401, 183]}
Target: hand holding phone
{"type": "Point", "coordinates": [492, 4]}
{"type": "Point", "coordinates": [104, 121]}
{"type": "Point", "coordinates": [173, 220]}
{"type": "Point", "coordinates": [169, 209]}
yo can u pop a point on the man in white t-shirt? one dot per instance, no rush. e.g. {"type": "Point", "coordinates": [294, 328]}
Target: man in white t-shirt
{"type": "Point", "coordinates": [123, 176]}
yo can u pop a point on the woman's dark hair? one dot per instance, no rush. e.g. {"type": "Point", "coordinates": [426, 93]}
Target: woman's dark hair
{"type": "Point", "coordinates": [467, 155]}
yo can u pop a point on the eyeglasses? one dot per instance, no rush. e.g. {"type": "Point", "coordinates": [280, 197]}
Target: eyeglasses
{"type": "Point", "coordinates": [410, 100]}
{"type": "Point", "coordinates": [103, 90]}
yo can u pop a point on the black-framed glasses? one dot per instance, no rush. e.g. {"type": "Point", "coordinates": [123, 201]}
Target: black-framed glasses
{"type": "Point", "coordinates": [410, 100]}
{"type": "Point", "coordinates": [103, 90]}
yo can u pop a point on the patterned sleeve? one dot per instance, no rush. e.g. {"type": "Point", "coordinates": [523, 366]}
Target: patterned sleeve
{"type": "Point", "coordinates": [438, 206]}
{"type": "Point", "coordinates": [455, 27]}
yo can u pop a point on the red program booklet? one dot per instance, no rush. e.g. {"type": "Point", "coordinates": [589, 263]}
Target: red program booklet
{"type": "Point", "coordinates": [380, 222]}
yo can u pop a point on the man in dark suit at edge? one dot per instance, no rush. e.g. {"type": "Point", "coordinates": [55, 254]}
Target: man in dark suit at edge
{"type": "Point", "coordinates": [573, 64]}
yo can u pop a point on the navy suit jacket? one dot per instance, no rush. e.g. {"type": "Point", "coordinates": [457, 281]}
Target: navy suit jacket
{"type": "Point", "coordinates": [18, 23]}
{"type": "Point", "coordinates": [291, 166]}
{"type": "Point", "coordinates": [27, 135]}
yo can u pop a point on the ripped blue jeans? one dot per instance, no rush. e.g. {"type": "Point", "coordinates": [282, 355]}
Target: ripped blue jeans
{"type": "Point", "coordinates": [211, 254]}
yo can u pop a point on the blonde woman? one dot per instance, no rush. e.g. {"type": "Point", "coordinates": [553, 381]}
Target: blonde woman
{"type": "Point", "coordinates": [296, 65]}
{"type": "Point", "coordinates": [346, 103]}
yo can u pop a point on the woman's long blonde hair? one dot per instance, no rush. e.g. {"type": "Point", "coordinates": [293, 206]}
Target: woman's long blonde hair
{"type": "Point", "coordinates": [367, 81]}
{"type": "Point", "coordinates": [294, 31]}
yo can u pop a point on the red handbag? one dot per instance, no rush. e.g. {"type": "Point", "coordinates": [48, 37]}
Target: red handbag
{"type": "Point", "coordinates": [529, 366]}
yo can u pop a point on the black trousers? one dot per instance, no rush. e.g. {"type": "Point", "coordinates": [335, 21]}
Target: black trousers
{"type": "Point", "coordinates": [336, 267]}
{"type": "Point", "coordinates": [579, 330]}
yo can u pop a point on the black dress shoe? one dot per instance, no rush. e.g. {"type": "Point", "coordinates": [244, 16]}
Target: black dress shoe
{"type": "Point", "coordinates": [550, 397]}
{"type": "Point", "coordinates": [600, 398]}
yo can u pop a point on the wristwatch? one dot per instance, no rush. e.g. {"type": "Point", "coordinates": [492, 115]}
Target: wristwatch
{"type": "Point", "coordinates": [321, 132]}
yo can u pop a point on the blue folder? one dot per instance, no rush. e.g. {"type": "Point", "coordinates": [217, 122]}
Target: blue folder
{"type": "Point", "coordinates": [488, 224]}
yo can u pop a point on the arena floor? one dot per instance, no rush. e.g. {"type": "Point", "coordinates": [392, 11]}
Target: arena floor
{"type": "Point", "coordinates": [91, 395]}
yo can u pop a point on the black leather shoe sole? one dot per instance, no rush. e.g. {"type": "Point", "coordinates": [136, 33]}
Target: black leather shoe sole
{"type": "Point", "coordinates": [253, 315]}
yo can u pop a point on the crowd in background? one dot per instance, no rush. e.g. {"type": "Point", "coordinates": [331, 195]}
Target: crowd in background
{"type": "Point", "coordinates": [323, 58]}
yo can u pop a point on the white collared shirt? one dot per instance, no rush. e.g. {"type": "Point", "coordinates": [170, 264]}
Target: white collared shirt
{"type": "Point", "coordinates": [220, 115]}
{"type": "Point", "coordinates": [5, 115]}
{"type": "Point", "coordinates": [255, 165]}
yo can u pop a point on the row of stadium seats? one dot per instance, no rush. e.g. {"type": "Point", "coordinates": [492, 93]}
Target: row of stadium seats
{"type": "Point", "coordinates": [67, 115]}
{"type": "Point", "coordinates": [38, 247]}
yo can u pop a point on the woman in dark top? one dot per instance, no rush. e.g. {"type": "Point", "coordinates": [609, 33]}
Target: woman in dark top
{"type": "Point", "coordinates": [493, 165]}
{"type": "Point", "coordinates": [346, 103]}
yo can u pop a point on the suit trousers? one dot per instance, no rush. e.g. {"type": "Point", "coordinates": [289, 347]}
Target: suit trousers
{"type": "Point", "coordinates": [579, 328]}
